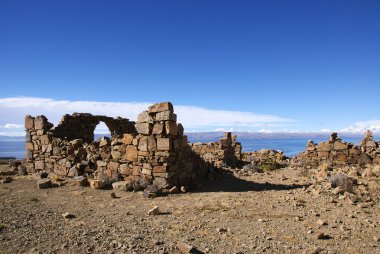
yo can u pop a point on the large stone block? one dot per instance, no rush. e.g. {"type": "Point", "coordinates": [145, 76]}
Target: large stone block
{"type": "Point", "coordinates": [125, 170]}
{"type": "Point", "coordinates": [39, 165]}
{"type": "Point", "coordinates": [45, 139]}
{"type": "Point", "coordinates": [152, 144]}
{"type": "Point", "coordinates": [143, 128]}
{"type": "Point", "coordinates": [180, 129]}
{"type": "Point", "coordinates": [163, 144]}
{"type": "Point", "coordinates": [166, 116]}
{"type": "Point", "coordinates": [113, 166]}
{"type": "Point", "coordinates": [40, 122]}
{"type": "Point", "coordinates": [127, 139]}
{"type": "Point", "coordinates": [342, 157]}
{"type": "Point", "coordinates": [160, 169]}
{"type": "Point", "coordinates": [340, 146]}
{"type": "Point", "coordinates": [144, 117]}
{"type": "Point", "coordinates": [131, 153]}
{"type": "Point", "coordinates": [96, 184]}
{"type": "Point", "coordinates": [370, 144]}
{"type": "Point", "coordinates": [136, 171]}
{"type": "Point", "coordinates": [29, 122]}
{"type": "Point", "coordinates": [143, 145]}
{"type": "Point", "coordinates": [159, 107]}
{"type": "Point", "coordinates": [115, 155]}
{"type": "Point", "coordinates": [158, 128]}
{"type": "Point", "coordinates": [325, 147]}
{"type": "Point", "coordinates": [171, 128]}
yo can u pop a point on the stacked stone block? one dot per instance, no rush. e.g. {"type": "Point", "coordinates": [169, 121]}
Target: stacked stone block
{"type": "Point", "coordinates": [152, 150]}
{"type": "Point", "coordinates": [336, 152]}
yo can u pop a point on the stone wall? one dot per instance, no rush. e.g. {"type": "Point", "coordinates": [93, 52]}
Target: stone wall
{"type": "Point", "coordinates": [225, 152]}
{"type": "Point", "coordinates": [152, 150]}
{"type": "Point", "coordinates": [336, 152]}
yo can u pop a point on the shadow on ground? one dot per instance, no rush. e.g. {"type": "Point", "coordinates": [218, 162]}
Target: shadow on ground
{"type": "Point", "coordinates": [230, 183]}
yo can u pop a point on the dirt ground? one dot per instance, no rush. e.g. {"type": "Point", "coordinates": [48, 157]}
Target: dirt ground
{"type": "Point", "coordinates": [277, 212]}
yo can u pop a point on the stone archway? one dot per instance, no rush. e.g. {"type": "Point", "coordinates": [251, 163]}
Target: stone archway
{"type": "Point", "coordinates": [82, 126]}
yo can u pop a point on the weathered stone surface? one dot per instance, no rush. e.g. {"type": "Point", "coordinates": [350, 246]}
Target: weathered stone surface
{"type": "Point", "coordinates": [131, 153]}
{"type": "Point", "coordinates": [163, 144]}
{"type": "Point", "coordinates": [40, 122]}
{"type": "Point", "coordinates": [370, 144]}
{"type": "Point", "coordinates": [124, 169]}
{"type": "Point", "coordinates": [96, 183]}
{"type": "Point", "coordinates": [185, 248]}
{"type": "Point", "coordinates": [143, 128]}
{"type": "Point", "coordinates": [158, 128]}
{"type": "Point", "coordinates": [39, 165]}
{"type": "Point", "coordinates": [121, 185]}
{"type": "Point", "coordinates": [180, 129]}
{"type": "Point", "coordinates": [159, 107]}
{"type": "Point", "coordinates": [116, 155]}
{"type": "Point", "coordinates": [29, 122]}
{"type": "Point", "coordinates": [78, 181]}
{"type": "Point", "coordinates": [144, 117]}
{"type": "Point", "coordinates": [152, 144]}
{"type": "Point", "coordinates": [127, 139]}
{"type": "Point", "coordinates": [154, 211]}
{"type": "Point", "coordinates": [143, 145]}
{"type": "Point", "coordinates": [166, 116]}
{"type": "Point", "coordinates": [325, 147]}
{"type": "Point", "coordinates": [340, 146]}
{"type": "Point", "coordinates": [171, 128]}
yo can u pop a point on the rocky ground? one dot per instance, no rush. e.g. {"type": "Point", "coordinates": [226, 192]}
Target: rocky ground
{"type": "Point", "coordinates": [284, 211]}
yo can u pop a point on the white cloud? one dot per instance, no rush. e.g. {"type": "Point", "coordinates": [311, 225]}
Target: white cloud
{"type": "Point", "coordinates": [12, 134]}
{"type": "Point", "coordinates": [326, 130]}
{"type": "Point", "coordinates": [362, 127]}
{"type": "Point", "coordinates": [12, 126]}
{"type": "Point", "coordinates": [277, 131]}
{"type": "Point", "coordinates": [14, 110]}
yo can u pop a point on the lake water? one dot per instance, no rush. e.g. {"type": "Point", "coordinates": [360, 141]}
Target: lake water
{"type": "Point", "coordinates": [15, 146]}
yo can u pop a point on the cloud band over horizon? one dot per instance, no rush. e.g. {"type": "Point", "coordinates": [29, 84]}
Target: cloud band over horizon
{"type": "Point", "coordinates": [193, 118]}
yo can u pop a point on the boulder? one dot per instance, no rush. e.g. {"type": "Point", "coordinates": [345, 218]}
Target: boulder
{"type": "Point", "coordinates": [44, 183]}
{"type": "Point", "coordinates": [159, 107]}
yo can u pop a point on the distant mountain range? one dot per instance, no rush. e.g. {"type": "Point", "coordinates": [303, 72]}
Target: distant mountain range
{"type": "Point", "coordinates": [277, 135]}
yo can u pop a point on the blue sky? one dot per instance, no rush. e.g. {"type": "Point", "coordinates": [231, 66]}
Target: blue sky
{"type": "Point", "coordinates": [275, 65]}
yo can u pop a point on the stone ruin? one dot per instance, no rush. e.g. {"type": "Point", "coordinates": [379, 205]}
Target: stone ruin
{"type": "Point", "coordinates": [151, 151]}
{"type": "Point", "coordinates": [335, 152]}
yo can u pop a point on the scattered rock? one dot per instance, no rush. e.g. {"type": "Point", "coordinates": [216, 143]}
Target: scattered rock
{"type": "Point", "coordinates": [68, 215]}
{"type": "Point", "coordinates": [97, 184]}
{"type": "Point", "coordinates": [43, 175]}
{"type": "Point", "coordinates": [44, 183]}
{"type": "Point", "coordinates": [221, 230]}
{"type": "Point", "coordinates": [154, 211]}
{"type": "Point", "coordinates": [185, 248]}
{"type": "Point", "coordinates": [7, 179]}
{"type": "Point", "coordinates": [78, 181]}
{"type": "Point", "coordinates": [113, 195]}
{"type": "Point", "coordinates": [321, 222]}
{"type": "Point", "coordinates": [174, 190]}
{"type": "Point", "coordinates": [322, 236]}
{"type": "Point", "coordinates": [152, 191]}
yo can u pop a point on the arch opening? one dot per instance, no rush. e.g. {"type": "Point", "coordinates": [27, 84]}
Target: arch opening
{"type": "Point", "coordinates": [101, 130]}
